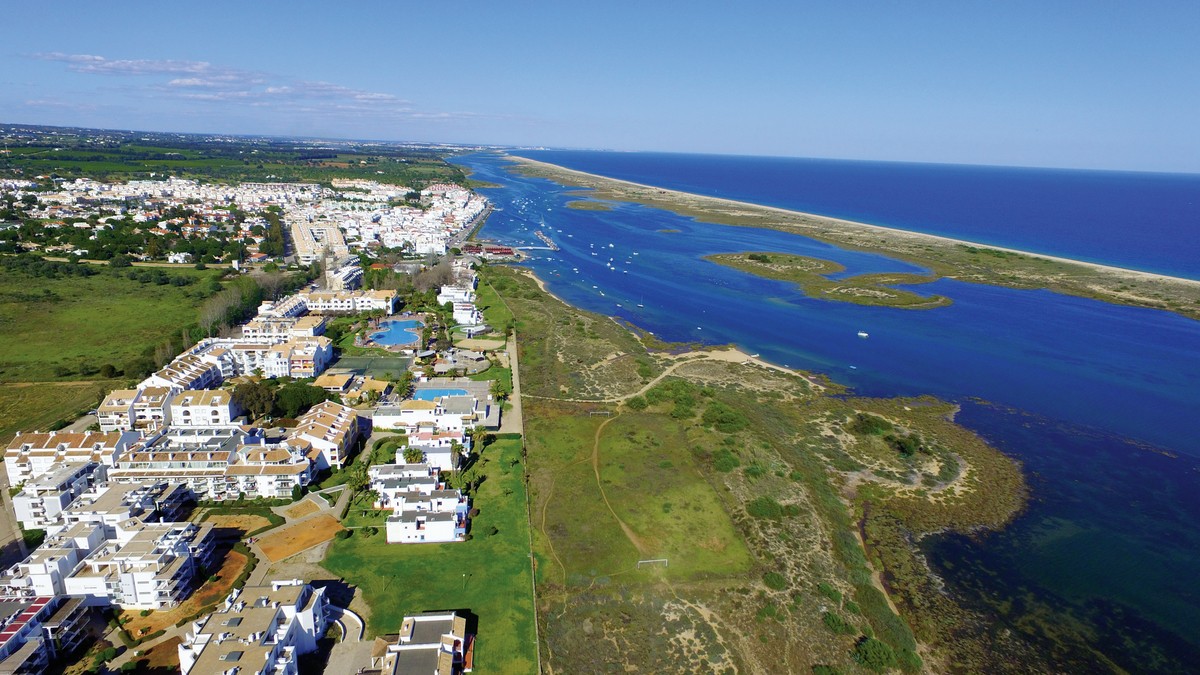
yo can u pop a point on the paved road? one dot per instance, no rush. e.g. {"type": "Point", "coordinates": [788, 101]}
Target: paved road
{"type": "Point", "coordinates": [512, 421]}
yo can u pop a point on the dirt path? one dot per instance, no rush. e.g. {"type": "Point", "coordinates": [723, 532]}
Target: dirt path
{"type": "Point", "coordinates": [629, 533]}
{"type": "Point", "coordinates": [724, 355]}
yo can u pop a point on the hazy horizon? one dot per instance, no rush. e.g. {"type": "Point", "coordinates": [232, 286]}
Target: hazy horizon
{"type": "Point", "coordinates": [1021, 84]}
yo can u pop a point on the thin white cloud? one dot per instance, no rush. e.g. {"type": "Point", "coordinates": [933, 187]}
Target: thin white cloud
{"type": "Point", "coordinates": [201, 82]}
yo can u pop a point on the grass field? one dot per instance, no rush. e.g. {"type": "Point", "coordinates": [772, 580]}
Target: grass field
{"type": "Point", "coordinates": [96, 320]}
{"type": "Point", "coordinates": [488, 575]}
{"type": "Point", "coordinates": [29, 406]}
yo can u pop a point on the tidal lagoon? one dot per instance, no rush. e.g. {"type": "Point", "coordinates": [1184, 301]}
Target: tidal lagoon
{"type": "Point", "coordinates": [1096, 400]}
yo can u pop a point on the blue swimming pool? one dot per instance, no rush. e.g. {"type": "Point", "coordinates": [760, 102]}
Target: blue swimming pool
{"type": "Point", "coordinates": [398, 332]}
{"type": "Point", "coordinates": [430, 394]}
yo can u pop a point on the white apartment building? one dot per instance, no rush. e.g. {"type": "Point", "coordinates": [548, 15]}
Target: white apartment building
{"type": "Point", "coordinates": [35, 630]}
{"type": "Point", "coordinates": [112, 505]}
{"type": "Point", "coordinates": [350, 302]}
{"type": "Point", "coordinates": [205, 408]}
{"type": "Point", "coordinates": [145, 409]}
{"type": "Point", "coordinates": [432, 643]}
{"type": "Point", "coordinates": [187, 371]}
{"type": "Point", "coordinates": [280, 329]}
{"type": "Point", "coordinates": [448, 413]}
{"type": "Point", "coordinates": [439, 448]}
{"type": "Point", "coordinates": [42, 500]}
{"type": "Point", "coordinates": [259, 630]}
{"type": "Point", "coordinates": [31, 454]}
{"type": "Point", "coordinates": [131, 564]}
{"type": "Point", "coordinates": [331, 429]}
{"type": "Point", "coordinates": [149, 566]}
{"type": "Point", "coordinates": [218, 462]}
{"type": "Point", "coordinates": [466, 314]}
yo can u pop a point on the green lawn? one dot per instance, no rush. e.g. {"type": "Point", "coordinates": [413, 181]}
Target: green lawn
{"type": "Point", "coordinates": [399, 579]}
{"type": "Point", "coordinates": [494, 310]}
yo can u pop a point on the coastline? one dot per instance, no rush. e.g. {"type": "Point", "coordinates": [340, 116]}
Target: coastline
{"type": "Point", "coordinates": [728, 353]}
{"type": "Point", "coordinates": [945, 256]}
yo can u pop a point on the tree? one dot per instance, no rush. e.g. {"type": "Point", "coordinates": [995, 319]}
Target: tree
{"type": "Point", "coordinates": [295, 398]}
{"type": "Point", "coordinates": [414, 455]}
{"type": "Point", "coordinates": [255, 397]}
{"type": "Point", "coordinates": [356, 478]}
{"type": "Point", "coordinates": [873, 654]}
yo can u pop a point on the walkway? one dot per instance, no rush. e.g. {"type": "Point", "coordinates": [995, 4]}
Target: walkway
{"type": "Point", "coordinates": [512, 422]}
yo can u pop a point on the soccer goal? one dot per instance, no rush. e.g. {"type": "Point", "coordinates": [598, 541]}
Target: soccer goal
{"type": "Point", "coordinates": [656, 561]}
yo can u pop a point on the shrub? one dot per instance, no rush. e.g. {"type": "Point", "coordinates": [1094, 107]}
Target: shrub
{"type": "Point", "coordinates": [873, 654]}
{"type": "Point", "coordinates": [852, 607]}
{"type": "Point", "coordinates": [908, 660]}
{"type": "Point", "coordinates": [725, 461]}
{"type": "Point", "coordinates": [755, 471]}
{"type": "Point", "coordinates": [724, 418]}
{"type": "Point", "coordinates": [344, 534]}
{"type": "Point", "coordinates": [829, 592]}
{"type": "Point", "coordinates": [837, 624]}
{"type": "Point", "coordinates": [775, 581]}
{"type": "Point", "coordinates": [825, 670]}
{"type": "Point", "coordinates": [868, 425]}
{"type": "Point", "coordinates": [492, 530]}
{"type": "Point", "coordinates": [636, 403]}
{"type": "Point", "coordinates": [765, 507]}
{"type": "Point", "coordinates": [145, 612]}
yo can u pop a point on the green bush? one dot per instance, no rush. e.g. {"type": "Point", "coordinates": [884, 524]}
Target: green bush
{"type": "Point", "coordinates": [725, 461]}
{"type": "Point", "coordinates": [837, 624]}
{"type": "Point", "coordinates": [636, 403]}
{"type": "Point", "coordinates": [344, 534]}
{"type": "Point", "coordinates": [775, 581]}
{"type": "Point", "coordinates": [825, 670]}
{"type": "Point", "coordinates": [829, 592]}
{"type": "Point", "coordinates": [908, 660]}
{"type": "Point", "coordinates": [873, 654]}
{"type": "Point", "coordinates": [755, 471]}
{"type": "Point", "coordinates": [868, 425]}
{"type": "Point", "coordinates": [765, 507]}
{"type": "Point", "coordinates": [724, 418]}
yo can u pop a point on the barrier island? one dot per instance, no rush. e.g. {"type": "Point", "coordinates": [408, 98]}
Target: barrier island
{"type": "Point", "coordinates": [943, 256]}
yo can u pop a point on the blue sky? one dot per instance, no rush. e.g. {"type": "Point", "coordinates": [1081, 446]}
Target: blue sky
{"type": "Point", "coordinates": [1074, 84]}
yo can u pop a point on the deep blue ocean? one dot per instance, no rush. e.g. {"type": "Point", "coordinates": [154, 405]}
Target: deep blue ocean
{"type": "Point", "coordinates": [1099, 402]}
{"type": "Point", "coordinates": [1144, 221]}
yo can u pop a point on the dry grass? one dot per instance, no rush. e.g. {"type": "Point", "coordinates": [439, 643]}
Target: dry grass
{"type": "Point", "coordinates": [164, 655]}
{"type": "Point", "coordinates": [207, 594]}
{"type": "Point", "coordinates": [291, 540]}
{"type": "Point", "coordinates": [301, 509]}
{"type": "Point", "coordinates": [244, 523]}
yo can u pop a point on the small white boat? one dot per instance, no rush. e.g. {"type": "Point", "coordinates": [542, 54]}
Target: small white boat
{"type": "Point", "coordinates": [863, 334]}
